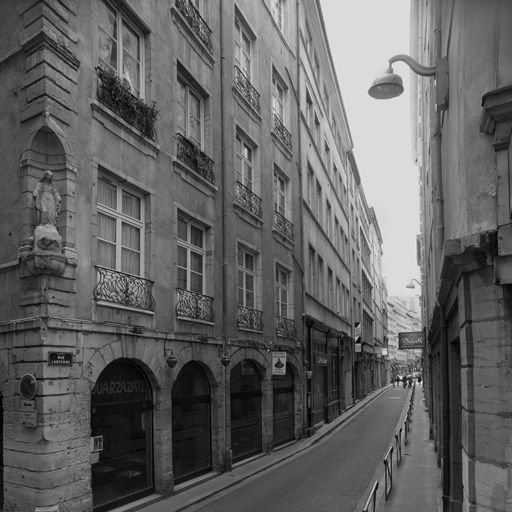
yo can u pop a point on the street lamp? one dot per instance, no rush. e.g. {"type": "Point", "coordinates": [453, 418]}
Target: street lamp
{"type": "Point", "coordinates": [389, 85]}
{"type": "Point", "coordinates": [410, 284]}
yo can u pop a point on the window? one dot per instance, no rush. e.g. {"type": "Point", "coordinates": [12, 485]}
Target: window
{"type": "Point", "coordinates": [330, 290]}
{"type": "Point", "coordinates": [327, 157]}
{"type": "Point", "coordinates": [120, 47]}
{"type": "Point", "coordinates": [244, 162]}
{"type": "Point", "coordinates": [337, 233]}
{"type": "Point", "coordinates": [310, 115]}
{"type": "Point", "coordinates": [191, 255]}
{"type": "Point", "coordinates": [120, 227]}
{"type": "Point", "coordinates": [243, 49]}
{"type": "Point", "coordinates": [189, 113]}
{"type": "Point", "coordinates": [311, 188]}
{"type": "Point", "coordinates": [326, 101]}
{"type": "Point", "coordinates": [339, 298]}
{"type": "Point", "coordinates": [328, 219]}
{"type": "Point", "coordinates": [278, 7]}
{"type": "Point", "coordinates": [317, 132]}
{"type": "Point", "coordinates": [278, 97]}
{"type": "Point", "coordinates": [321, 281]}
{"type": "Point", "coordinates": [312, 281]}
{"type": "Point", "coordinates": [309, 40]}
{"type": "Point", "coordinates": [281, 292]}
{"type": "Point", "coordinates": [280, 192]}
{"type": "Point", "coordinates": [318, 202]}
{"type": "Point", "coordinates": [246, 277]}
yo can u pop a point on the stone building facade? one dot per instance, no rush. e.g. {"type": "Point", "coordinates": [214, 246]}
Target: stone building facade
{"type": "Point", "coordinates": [463, 121]}
{"type": "Point", "coordinates": [153, 326]}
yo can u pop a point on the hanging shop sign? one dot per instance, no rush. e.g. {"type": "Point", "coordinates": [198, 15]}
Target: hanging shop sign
{"type": "Point", "coordinates": [320, 359]}
{"type": "Point", "coordinates": [60, 359]}
{"type": "Point", "coordinates": [410, 340]}
{"type": "Point", "coordinates": [278, 363]}
{"type": "Point", "coordinates": [358, 347]}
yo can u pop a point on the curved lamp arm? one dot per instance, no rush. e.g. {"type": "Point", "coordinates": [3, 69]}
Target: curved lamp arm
{"type": "Point", "coordinates": [415, 66]}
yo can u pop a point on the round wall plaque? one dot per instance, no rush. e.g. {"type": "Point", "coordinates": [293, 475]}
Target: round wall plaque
{"type": "Point", "coordinates": [28, 386]}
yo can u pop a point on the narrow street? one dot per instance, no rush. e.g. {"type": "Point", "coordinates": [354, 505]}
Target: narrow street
{"type": "Point", "coordinates": [331, 476]}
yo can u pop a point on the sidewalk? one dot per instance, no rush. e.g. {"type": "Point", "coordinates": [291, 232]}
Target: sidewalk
{"type": "Point", "coordinates": [416, 482]}
{"type": "Point", "coordinates": [208, 485]}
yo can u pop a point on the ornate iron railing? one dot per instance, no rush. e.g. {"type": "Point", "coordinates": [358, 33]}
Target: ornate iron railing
{"type": "Point", "coordinates": [249, 318]}
{"type": "Point", "coordinates": [192, 156]}
{"type": "Point", "coordinates": [248, 199]}
{"type": "Point", "coordinates": [125, 289]}
{"type": "Point", "coordinates": [246, 89]}
{"type": "Point", "coordinates": [281, 132]}
{"type": "Point", "coordinates": [194, 305]}
{"type": "Point", "coordinates": [283, 226]}
{"type": "Point", "coordinates": [196, 22]}
{"type": "Point", "coordinates": [113, 94]}
{"type": "Point", "coordinates": [285, 327]}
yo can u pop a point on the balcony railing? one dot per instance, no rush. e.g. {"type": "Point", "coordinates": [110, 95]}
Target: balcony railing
{"type": "Point", "coordinates": [113, 94]}
{"type": "Point", "coordinates": [194, 306]}
{"type": "Point", "coordinates": [281, 132]}
{"type": "Point", "coordinates": [192, 156]}
{"type": "Point", "coordinates": [283, 226]}
{"type": "Point", "coordinates": [249, 318]}
{"type": "Point", "coordinates": [124, 289]}
{"type": "Point", "coordinates": [285, 327]}
{"type": "Point", "coordinates": [246, 89]}
{"type": "Point", "coordinates": [196, 22]}
{"type": "Point", "coordinates": [248, 200]}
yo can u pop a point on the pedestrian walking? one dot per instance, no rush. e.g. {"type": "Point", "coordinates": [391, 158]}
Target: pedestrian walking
{"type": "Point", "coordinates": [397, 379]}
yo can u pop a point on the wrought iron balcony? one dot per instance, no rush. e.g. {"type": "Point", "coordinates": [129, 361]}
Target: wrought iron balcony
{"type": "Point", "coordinates": [285, 327]}
{"type": "Point", "coordinates": [196, 22]}
{"type": "Point", "coordinates": [192, 156]}
{"type": "Point", "coordinates": [124, 289]}
{"type": "Point", "coordinates": [249, 318]}
{"type": "Point", "coordinates": [246, 89]}
{"type": "Point", "coordinates": [114, 95]}
{"type": "Point", "coordinates": [248, 200]}
{"type": "Point", "coordinates": [281, 132]}
{"type": "Point", "coordinates": [194, 306]}
{"type": "Point", "coordinates": [283, 226]}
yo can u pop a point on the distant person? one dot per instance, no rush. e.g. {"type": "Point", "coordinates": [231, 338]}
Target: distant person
{"type": "Point", "coordinates": [419, 379]}
{"type": "Point", "coordinates": [404, 381]}
{"type": "Point", "coordinates": [397, 380]}
{"type": "Point", "coordinates": [409, 380]}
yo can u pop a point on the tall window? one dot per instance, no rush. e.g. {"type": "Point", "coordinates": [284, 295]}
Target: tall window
{"type": "Point", "coordinates": [120, 47]}
{"type": "Point", "coordinates": [120, 227]}
{"type": "Point", "coordinates": [191, 256]}
{"type": "Point", "coordinates": [318, 202]}
{"type": "Point", "coordinates": [278, 97]}
{"type": "Point", "coordinates": [317, 132]}
{"type": "Point", "coordinates": [244, 162]}
{"type": "Point", "coordinates": [328, 219]}
{"type": "Point", "coordinates": [339, 298]}
{"type": "Point", "coordinates": [278, 7]}
{"type": "Point", "coordinates": [280, 192]}
{"type": "Point", "coordinates": [312, 281]}
{"type": "Point", "coordinates": [281, 292]}
{"type": "Point", "coordinates": [309, 40]}
{"type": "Point", "coordinates": [189, 113]}
{"type": "Point", "coordinates": [327, 156]}
{"type": "Point", "coordinates": [336, 233]}
{"type": "Point", "coordinates": [311, 188]}
{"type": "Point", "coordinates": [246, 277]}
{"type": "Point", "coordinates": [310, 114]}
{"type": "Point", "coordinates": [330, 289]}
{"type": "Point", "coordinates": [321, 279]}
{"type": "Point", "coordinates": [243, 48]}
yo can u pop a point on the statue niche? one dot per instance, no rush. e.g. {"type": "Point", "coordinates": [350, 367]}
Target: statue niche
{"type": "Point", "coordinates": [47, 202]}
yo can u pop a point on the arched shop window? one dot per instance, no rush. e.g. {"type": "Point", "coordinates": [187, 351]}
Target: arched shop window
{"type": "Point", "coordinates": [245, 410]}
{"type": "Point", "coordinates": [191, 424]}
{"type": "Point", "coordinates": [283, 407]}
{"type": "Point", "coordinates": [121, 430]}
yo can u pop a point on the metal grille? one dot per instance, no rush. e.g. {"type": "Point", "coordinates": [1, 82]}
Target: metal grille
{"type": "Point", "coordinates": [196, 22]}
{"type": "Point", "coordinates": [192, 156]}
{"type": "Point", "coordinates": [125, 289]}
{"type": "Point", "coordinates": [249, 318]}
{"type": "Point", "coordinates": [282, 133]}
{"type": "Point", "coordinates": [246, 89]}
{"type": "Point", "coordinates": [285, 327]}
{"type": "Point", "coordinates": [248, 199]}
{"type": "Point", "coordinates": [194, 305]}
{"type": "Point", "coordinates": [283, 226]}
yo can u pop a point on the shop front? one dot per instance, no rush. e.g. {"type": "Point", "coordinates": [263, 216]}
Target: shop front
{"type": "Point", "coordinates": [191, 424]}
{"type": "Point", "coordinates": [121, 436]}
{"type": "Point", "coordinates": [245, 410]}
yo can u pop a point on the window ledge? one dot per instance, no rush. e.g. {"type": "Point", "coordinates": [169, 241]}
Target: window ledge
{"type": "Point", "coordinates": [246, 105]}
{"type": "Point", "coordinates": [122, 129]}
{"type": "Point", "coordinates": [124, 308]}
{"type": "Point", "coordinates": [194, 178]}
{"type": "Point", "coordinates": [247, 329]}
{"type": "Point", "coordinates": [248, 216]}
{"type": "Point", "coordinates": [289, 244]}
{"type": "Point", "coordinates": [204, 52]}
{"type": "Point", "coordinates": [194, 320]}
{"type": "Point", "coordinates": [281, 145]}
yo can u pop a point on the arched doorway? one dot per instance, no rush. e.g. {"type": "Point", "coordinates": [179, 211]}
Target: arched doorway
{"type": "Point", "coordinates": [121, 430]}
{"type": "Point", "coordinates": [283, 407]}
{"type": "Point", "coordinates": [245, 410]}
{"type": "Point", "coordinates": [191, 424]}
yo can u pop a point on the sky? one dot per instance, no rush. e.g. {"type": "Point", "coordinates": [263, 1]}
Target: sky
{"type": "Point", "coordinates": [363, 35]}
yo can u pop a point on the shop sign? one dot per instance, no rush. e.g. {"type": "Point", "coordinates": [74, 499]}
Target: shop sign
{"type": "Point", "coordinates": [321, 359]}
{"type": "Point", "coordinates": [384, 352]}
{"type": "Point", "coordinates": [358, 347]}
{"type": "Point", "coordinates": [410, 340]}
{"type": "Point", "coordinates": [60, 359]}
{"type": "Point", "coordinates": [119, 387]}
{"type": "Point", "coordinates": [278, 363]}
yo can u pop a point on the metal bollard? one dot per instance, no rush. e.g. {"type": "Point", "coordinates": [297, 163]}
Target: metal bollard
{"type": "Point", "coordinates": [370, 505]}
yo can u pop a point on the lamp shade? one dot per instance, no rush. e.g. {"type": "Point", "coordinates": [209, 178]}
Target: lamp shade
{"type": "Point", "coordinates": [389, 85]}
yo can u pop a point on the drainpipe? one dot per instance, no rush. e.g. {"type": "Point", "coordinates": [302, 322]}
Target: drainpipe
{"type": "Point", "coordinates": [227, 456]}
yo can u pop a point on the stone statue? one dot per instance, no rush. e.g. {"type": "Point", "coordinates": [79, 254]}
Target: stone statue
{"type": "Point", "coordinates": [47, 201]}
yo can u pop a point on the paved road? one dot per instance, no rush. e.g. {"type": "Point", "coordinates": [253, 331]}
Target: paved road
{"type": "Point", "coordinates": [332, 476]}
